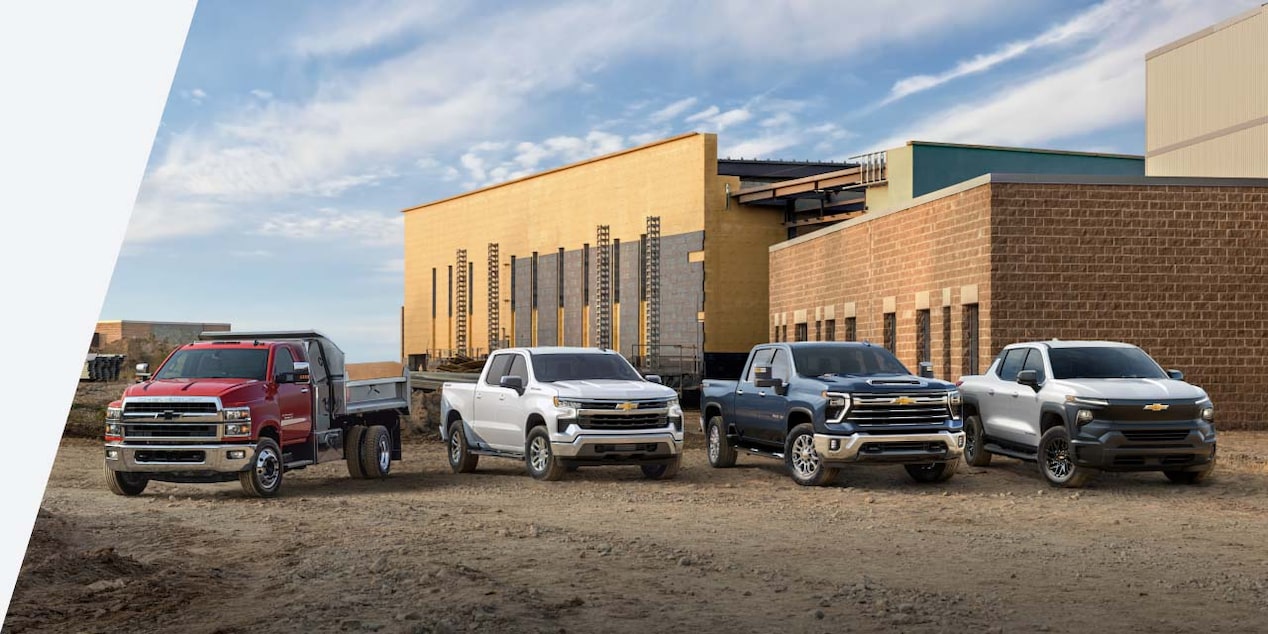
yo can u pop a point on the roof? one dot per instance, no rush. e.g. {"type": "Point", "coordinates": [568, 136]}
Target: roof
{"type": "Point", "coordinates": [1027, 150]}
{"type": "Point", "coordinates": [558, 350]}
{"type": "Point", "coordinates": [1057, 343]}
{"type": "Point", "coordinates": [755, 169]}
{"type": "Point", "coordinates": [1210, 30]}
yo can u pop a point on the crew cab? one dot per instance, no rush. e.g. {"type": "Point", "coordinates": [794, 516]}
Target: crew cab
{"type": "Point", "coordinates": [250, 406]}
{"type": "Point", "coordinates": [1080, 407]}
{"type": "Point", "coordinates": [821, 405]}
{"type": "Point", "coordinates": [560, 408]}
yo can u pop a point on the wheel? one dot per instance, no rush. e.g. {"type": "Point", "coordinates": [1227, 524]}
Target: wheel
{"type": "Point", "coordinates": [975, 453]}
{"type": "Point", "coordinates": [121, 483]}
{"type": "Point", "coordinates": [803, 461]}
{"type": "Point", "coordinates": [721, 453]}
{"type": "Point", "coordinates": [539, 458]}
{"type": "Point", "coordinates": [932, 472]}
{"type": "Point", "coordinates": [662, 471]}
{"type": "Point", "coordinates": [376, 452]}
{"type": "Point", "coordinates": [1057, 465]}
{"type": "Point", "coordinates": [1191, 477]}
{"type": "Point", "coordinates": [461, 460]}
{"type": "Point", "coordinates": [264, 478]}
{"type": "Point", "coordinates": [352, 450]}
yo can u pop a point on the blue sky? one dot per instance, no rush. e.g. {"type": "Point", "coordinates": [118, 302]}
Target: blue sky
{"type": "Point", "coordinates": [296, 131]}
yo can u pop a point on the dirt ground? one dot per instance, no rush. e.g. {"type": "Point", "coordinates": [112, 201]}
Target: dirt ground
{"type": "Point", "coordinates": [738, 550]}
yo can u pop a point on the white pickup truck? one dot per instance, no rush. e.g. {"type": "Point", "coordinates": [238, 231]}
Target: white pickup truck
{"type": "Point", "coordinates": [562, 408]}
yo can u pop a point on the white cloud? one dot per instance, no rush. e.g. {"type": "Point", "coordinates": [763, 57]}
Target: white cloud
{"type": "Point", "coordinates": [261, 94]}
{"type": "Point", "coordinates": [367, 24]}
{"type": "Point", "coordinates": [1088, 23]}
{"type": "Point", "coordinates": [368, 228]}
{"type": "Point", "coordinates": [704, 115]}
{"type": "Point", "coordinates": [490, 163]}
{"type": "Point", "coordinates": [672, 111]}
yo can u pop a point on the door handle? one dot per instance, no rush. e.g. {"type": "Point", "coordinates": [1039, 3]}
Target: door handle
{"type": "Point", "coordinates": [762, 394]}
{"type": "Point", "coordinates": [479, 396]}
{"type": "Point", "coordinates": [990, 392]}
{"type": "Point", "coordinates": [739, 391]}
{"type": "Point", "coordinates": [303, 390]}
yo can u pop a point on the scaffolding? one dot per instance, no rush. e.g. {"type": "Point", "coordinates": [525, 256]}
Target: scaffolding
{"type": "Point", "coordinates": [495, 300]}
{"type": "Point", "coordinates": [651, 282]}
{"type": "Point", "coordinates": [603, 288]}
{"type": "Point", "coordinates": [460, 338]}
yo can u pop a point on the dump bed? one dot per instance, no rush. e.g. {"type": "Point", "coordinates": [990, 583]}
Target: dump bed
{"type": "Point", "coordinates": [376, 386]}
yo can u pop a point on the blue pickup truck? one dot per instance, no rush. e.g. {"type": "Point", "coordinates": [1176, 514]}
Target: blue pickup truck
{"type": "Point", "coordinates": [820, 405]}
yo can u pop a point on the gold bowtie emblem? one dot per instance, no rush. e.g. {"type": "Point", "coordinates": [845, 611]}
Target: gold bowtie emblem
{"type": "Point", "coordinates": [904, 400]}
{"type": "Point", "coordinates": [625, 407]}
{"type": "Point", "coordinates": [1156, 407]}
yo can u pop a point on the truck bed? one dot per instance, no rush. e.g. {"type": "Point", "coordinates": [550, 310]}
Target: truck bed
{"type": "Point", "coordinates": [376, 386]}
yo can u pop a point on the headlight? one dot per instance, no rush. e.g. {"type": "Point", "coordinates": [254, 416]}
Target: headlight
{"type": "Point", "coordinates": [672, 403]}
{"type": "Point", "coordinates": [566, 403]}
{"type": "Point", "coordinates": [238, 429]}
{"type": "Point", "coordinates": [838, 405]}
{"type": "Point", "coordinates": [114, 429]}
{"type": "Point", "coordinates": [953, 397]}
{"type": "Point", "coordinates": [236, 413]}
{"type": "Point", "coordinates": [114, 413]}
{"type": "Point", "coordinates": [1084, 416]}
{"type": "Point", "coordinates": [1208, 414]}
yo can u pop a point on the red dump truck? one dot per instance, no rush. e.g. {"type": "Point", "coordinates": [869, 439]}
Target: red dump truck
{"type": "Point", "coordinates": [250, 406]}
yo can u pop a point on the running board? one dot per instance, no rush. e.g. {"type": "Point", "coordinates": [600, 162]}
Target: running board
{"type": "Point", "coordinates": [497, 454]}
{"type": "Point", "coordinates": [1011, 453]}
{"type": "Point", "coordinates": [762, 452]}
{"type": "Point", "coordinates": [298, 464]}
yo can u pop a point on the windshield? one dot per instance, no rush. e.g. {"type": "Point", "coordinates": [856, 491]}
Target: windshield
{"type": "Point", "coordinates": [210, 363]}
{"type": "Point", "coordinates": [1104, 363]}
{"type": "Point", "coordinates": [571, 367]}
{"type": "Point", "coordinates": [845, 360]}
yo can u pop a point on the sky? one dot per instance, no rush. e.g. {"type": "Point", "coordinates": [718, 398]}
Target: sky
{"type": "Point", "coordinates": [296, 131]}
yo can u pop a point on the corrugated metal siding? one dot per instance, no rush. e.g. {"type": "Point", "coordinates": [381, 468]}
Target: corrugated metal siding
{"type": "Point", "coordinates": [1212, 83]}
{"type": "Point", "coordinates": [1240, 154]}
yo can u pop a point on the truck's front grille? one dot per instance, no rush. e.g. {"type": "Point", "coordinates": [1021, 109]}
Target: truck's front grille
{"type": "Point", "coordinates": [648, 420]}
{"type": "Point", "coordinates": [1149, 411]}
{"type": "Point", "coordinates": [159, 408]}
{"type": "Point", "coordinates": [624, 405]}
{"type": "Point", "coordinates": [1156, 435]}
{"type": "Point", "coordinates": [904, 408]}
{"type": "Point", "coordinates": [146, 431]}
{"type": "Point", "coordinates": [171, 456]}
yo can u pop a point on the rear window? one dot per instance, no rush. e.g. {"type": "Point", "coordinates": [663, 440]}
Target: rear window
{"type": "Point", "coordinates": [1104, 363]}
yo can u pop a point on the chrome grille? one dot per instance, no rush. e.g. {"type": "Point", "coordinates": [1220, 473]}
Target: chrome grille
{"type": "Point", "coordinates": [647, 420]}
{"type": "Point", "coordinates": [159, 408]}
{"type": "Point", "coordinates": [899, 408]}
{"type": "Point", "coordinates": [168, 431]}
{"type": "Point", "coordinates": [615, 405]}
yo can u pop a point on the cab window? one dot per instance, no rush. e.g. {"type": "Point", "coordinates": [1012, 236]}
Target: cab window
{"type": "Point", "coordinates": [283, 361]}
{"type": "Point", "coordinates": [1013, 360]}
{"type": "Point", "coordinates": [781, 367]}
{"type": "Point", "coordinates": [760, 358]}
{"type": "Point", "coordinates": [1034, 361]}
{"type": "Point", "coordinates": [518, 367]}
{"type": "Point", "coordinates": [497, 368]}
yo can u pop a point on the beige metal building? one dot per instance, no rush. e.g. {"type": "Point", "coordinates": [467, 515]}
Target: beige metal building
{"type": "Point", "coordinates": [1206, 111]}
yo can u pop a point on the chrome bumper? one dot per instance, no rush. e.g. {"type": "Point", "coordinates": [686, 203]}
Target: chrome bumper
{"type": "Point", "coordinates": [215, 458]}
{"type": "Point", "coordinates": [650, 446]}
{"type": "Point", "coordinates": [899, 448]}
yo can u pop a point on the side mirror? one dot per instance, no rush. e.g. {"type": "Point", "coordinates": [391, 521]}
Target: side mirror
{"type": "Point", "coordinates": [302, 371]}
{"type": "Point", "coordinates": [1029, 377]}
{"type": "Point", "coordinates": [654, 378]}
{"type": "Point", "coordinates": [513, 382]}
{"type": "Point", "coordinates": [762, 378]}
{"type": "Point", "coordinates": [926, 370]}
{"type": "Point", "coordinates": [1176, 374]}
{"type": "Point", "coordinates": [142, 371]}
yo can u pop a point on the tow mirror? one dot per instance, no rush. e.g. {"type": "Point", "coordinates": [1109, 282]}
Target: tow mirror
{"type": "Point", "coordinates": [1176, 374]}
{"type": "Point", "coordinates": [512, 382]}
{"type": "Point", "coordinates": [302, 371]}
{"type": "Point", "coordinates": [142, 371]}
{"type": "Point", "coordinates": [926, 370]}
{"type": "Point", "coordinates": [762, 378]}
{"type": "Point", "coordinates": [654, 378]}
{"type": "Point", "coordinates": [1029, 377]}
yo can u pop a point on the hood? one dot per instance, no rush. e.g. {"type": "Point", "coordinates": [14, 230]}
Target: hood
{"type": "Point", "coordinates": [885, 383]}
{"type": "Point", "coordinates": [1135, 389]}
{"type": "Point", "coordinates": [610, 389]}
{"type": "Point", "coordinates": [229, 390]}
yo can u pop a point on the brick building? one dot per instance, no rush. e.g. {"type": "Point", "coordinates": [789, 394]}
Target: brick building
{"type": "Point", "coordinates": [172, 332]}
{"type": "Point", "coordinates": [1174, 265]}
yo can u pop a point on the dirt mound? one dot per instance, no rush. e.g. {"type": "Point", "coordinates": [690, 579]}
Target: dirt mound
{"type": "Point", "coordinates": [87, 415]}
{"type": "Point", "coordinates": [65, 583]}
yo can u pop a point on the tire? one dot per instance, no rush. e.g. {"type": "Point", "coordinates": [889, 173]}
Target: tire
{"type": "Point", "coordinates": [717, 446]}
{"type": "Point", "coordinates": [376, 452]}
{"type": "Point", "coordinates": [121, 483]}
{"type": "Point", "coordinates": [352, 450]}
{"type": "Point", "coordinates": [932, 472]}
{"type": "Point", "coordinates": [803, 462]}
{"type": "Point", "coordinates": [1055, 464]}
{"type": "Point", "coordinates": [539, 459]}
{"type": "Point", "coordinates": [1191, 477]}
{"type": "Point", "coordinates": [264, 478]}
{"type": "Point", "coordinates": [662, 471]}
{"type": "Point", "coordinates": [461, 460]}
{"type": "Point", "coordinates": [975, 453]}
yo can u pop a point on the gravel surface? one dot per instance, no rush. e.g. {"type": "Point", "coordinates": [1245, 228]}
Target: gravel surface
{"type": "Point", "coordinates": [737, 550]}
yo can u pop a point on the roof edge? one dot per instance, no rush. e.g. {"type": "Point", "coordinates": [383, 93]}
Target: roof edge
{"type": "Point", "coordinates": [1003, 148]}
{"type": "Point", "coordinates": [1210, 30]}
{"type": "Point", "coordinates": [557, 169]}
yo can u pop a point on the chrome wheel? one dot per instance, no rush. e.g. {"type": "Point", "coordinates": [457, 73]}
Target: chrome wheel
{"type": "Point", "coordinates": [539, 454]}
{"type": "Point", "coordinates": [385, 454]}
{"type": "Point", "coordinates": [715, 442]}
{"type": "Point", "coordinates": [804, 459]}
{"type": "Point", "coordinates": [455, 446]}
{"type": "Point", "coordinates": [1057, 461]}
{"type": "Point", "coordinates": [268, 468]}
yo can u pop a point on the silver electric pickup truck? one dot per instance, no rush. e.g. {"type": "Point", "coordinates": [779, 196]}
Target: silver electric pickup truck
{"type": "Point", "coordinates": [1081, 407]}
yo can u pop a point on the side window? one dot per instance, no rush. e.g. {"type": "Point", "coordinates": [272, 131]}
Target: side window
{"type": "Point", "coordinates": [781, 368]}
{"type": "Point", "coordinates": [761, 357]}
{"type": "Point", "coordinates": [518, 367]}
{"type": "Point", "coordinates": [1013, 360]}
{"type": "Point", "coordinates": [283, 361]}
{"type": "Point", "coordinates": [497, 368]}
{"type": "Point", "coordinates": [1034, 361]}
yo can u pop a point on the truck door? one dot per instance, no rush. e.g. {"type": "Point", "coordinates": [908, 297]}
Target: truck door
{"type": "Point", "coordinates": [294, 400]}
{"type": "Point", "coordinates": [752, 404]}
{"type": "Point", "coordinates": [498, 410]}
{"type": "Point", "coordinates": [1001, 410]}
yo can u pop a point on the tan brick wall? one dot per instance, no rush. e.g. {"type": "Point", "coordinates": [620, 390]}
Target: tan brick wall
{"type": "Point", "coordinates": [939, 245]}
{"type": "Point", "coordinates": [1179, 271]}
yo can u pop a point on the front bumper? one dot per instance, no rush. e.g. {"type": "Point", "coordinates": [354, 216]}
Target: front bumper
{"type": "Point", "coordinates": [620, 449]}
{"type": "Point", "coordinates": [193, 458]}
{"type": "Point", "coordinates": [894, 448]}
{"type": "Point", "coordinates": [1114, 446]}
